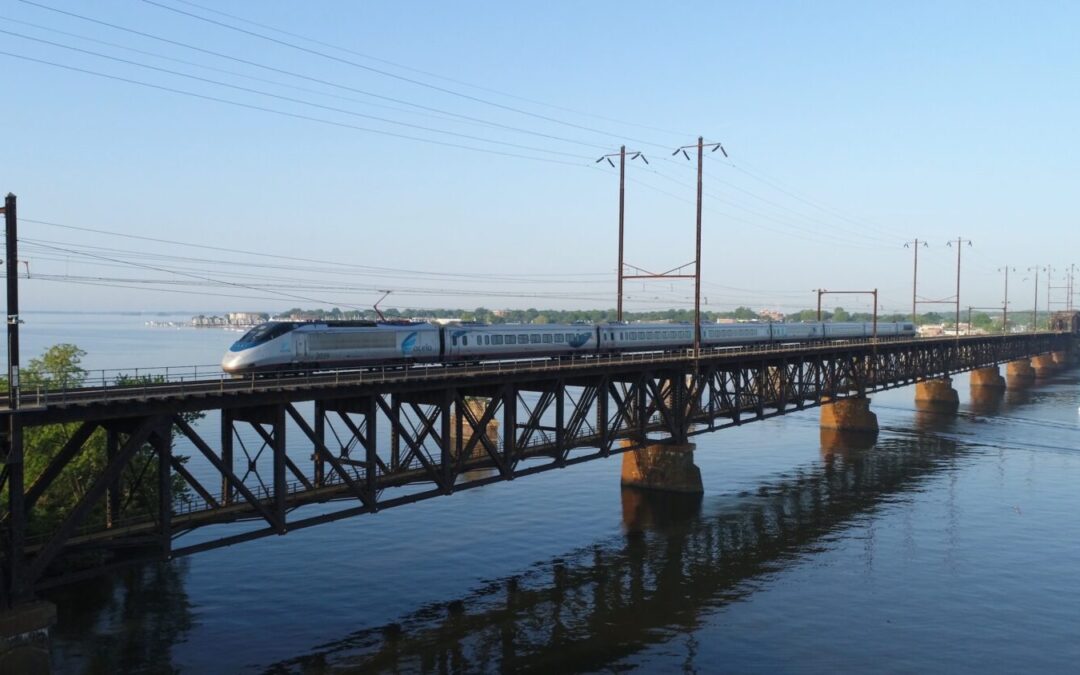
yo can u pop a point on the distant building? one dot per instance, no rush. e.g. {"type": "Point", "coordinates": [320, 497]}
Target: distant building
{"type": "Point", "coordinates": [771, 315]}
{"type": "Point", "coordinates": [245, 318]}
{"type": "Point", "coordinates": [1065, 321]}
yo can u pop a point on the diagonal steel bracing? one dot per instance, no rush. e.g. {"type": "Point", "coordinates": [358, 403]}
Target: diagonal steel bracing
{"type": "Point", "coordinates": [373, 446]}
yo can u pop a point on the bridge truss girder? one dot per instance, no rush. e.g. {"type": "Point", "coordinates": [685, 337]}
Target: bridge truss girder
{"type": "Point", "coordinates": [374, 448]}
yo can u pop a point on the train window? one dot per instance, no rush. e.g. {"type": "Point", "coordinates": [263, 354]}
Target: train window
{"type": "Point", "coordinates": [560, 338]}
{"type": "Point", "coordinates": [465, 340]}
{"type": "Point", "coordinates": [487, 340]}
{"type": "Point", "coordinates": [523, 339]}
{"type": "Point", "coordinates": [496, 339]}
{"type": "Point", "coordinates": [453, 340]}
{"type": "Point", "coordinates": [547, 339]}
{"type": "Point", "coordinates": [534, 338]}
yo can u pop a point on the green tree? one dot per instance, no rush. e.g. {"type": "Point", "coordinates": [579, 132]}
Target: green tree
{"type": "Point", "coordinates": [840, 314]}
{"type": "Point", "coordinates": [58, 367]}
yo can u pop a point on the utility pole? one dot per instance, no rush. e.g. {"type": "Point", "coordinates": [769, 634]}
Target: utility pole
{"type": "Point", "coordinates": [13, 442]}
{"type": "Point", "coordinates": [700, 145]}
{"type": "Point", "coordinates": [1005, 306]}
{"type": "Point", "coordinates": [621, 154]}
{"type": "Point", "coordinates": [914, 279]}
{"type": "Point", "coordinates": [1049, 274]}
{"type": "Point", "coordinates": [960, 241]}
{"type": "Point", "coordinates": [1071, 287]}
{"type": "Point", "coordinates": [1035, 306]}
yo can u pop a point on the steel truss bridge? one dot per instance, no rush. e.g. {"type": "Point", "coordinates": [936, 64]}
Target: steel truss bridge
{"type": "Point", "coordinates": [384, 438]}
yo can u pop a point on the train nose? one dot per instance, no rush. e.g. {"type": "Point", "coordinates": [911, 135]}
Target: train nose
{"type": "Point", "coordinates": [234, 362]}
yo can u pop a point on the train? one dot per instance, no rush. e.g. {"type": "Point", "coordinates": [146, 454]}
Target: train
{"type": "Point", "coordinates": [308, 346]}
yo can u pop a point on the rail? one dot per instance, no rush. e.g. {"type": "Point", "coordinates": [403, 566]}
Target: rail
{"type": "Point", "coordinates": [172, 381]}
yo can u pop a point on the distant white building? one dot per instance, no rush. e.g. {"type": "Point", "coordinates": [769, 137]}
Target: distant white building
{"type": "Point", "coordinates": [245, 318]}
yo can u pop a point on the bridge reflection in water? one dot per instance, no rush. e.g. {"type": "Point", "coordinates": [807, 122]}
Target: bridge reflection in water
{"type": "Point", "coordinates": [676, 561]}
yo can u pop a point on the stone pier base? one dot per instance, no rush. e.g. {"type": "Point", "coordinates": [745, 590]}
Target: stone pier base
{"type": "Point", "coordinates": [849, 414]}
{"type": "Point", "coordinates": [1044, 365]}
{"type": "Point", "coordinates": [667, 467]}
{"type": "Point", "coordinates": [987, 377]}
{"type": "Point", "coordinates": [24, 638]}
{"type": "Point", "coordinates": [1020, 373]}
{"type": "Point", "coordinates": [937, 394]}
{"type": "Point", "coordinates": [1061, 359]}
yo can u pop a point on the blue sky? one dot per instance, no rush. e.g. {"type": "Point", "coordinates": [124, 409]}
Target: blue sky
{"type": "Point", "coordinates": [851, 127]}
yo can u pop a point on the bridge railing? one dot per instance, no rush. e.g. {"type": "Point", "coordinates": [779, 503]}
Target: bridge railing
{"type": "Point", "coordinates": [171, 381]}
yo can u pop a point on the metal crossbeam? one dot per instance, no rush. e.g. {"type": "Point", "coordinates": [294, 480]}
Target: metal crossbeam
{"type": "Point", "coordinates": [565, 415]}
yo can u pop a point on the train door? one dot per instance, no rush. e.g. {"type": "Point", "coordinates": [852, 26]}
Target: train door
{"type": "Point", "coordinates": [300, 344]}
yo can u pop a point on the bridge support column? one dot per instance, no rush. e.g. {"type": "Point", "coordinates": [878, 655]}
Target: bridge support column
{"type": "Point", "coordinates": [938, 394]}
{"type": "Point", "coordinates": [1061, 359]}
{"type": "Point", "coordinates": [849, 414]}
{"type": "Point", "coordinates": [461, 432]}
{"type": "Point", "coordinates": [667, 467]}
{"type": "Point", "coordinates": [1020, 374]}
{"type": "Point", "coordinates": [987, 377]}
{"type": "Point", "coordinates": [24, 637]}
{"type": "Point", "coordinates": [1044, 365]}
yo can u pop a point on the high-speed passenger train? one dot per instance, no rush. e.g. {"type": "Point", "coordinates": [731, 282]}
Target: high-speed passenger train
{"type": "Point", "coordinates": [316, 345]}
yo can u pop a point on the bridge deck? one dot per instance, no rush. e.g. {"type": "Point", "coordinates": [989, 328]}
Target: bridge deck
{"type": "Point", "coordinates": [421, 432]}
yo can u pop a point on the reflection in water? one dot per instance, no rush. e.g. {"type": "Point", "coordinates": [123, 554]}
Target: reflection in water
{"type": "Point", "coordinates": [837, 443]}
{"type": "Point", "coordinates": [987, 400]}
{"type": "Point", "coordinates": [146, 608]}
{"type": "Point", "coordinates": [677, 562]}
{"type": "Point", "coordinates": [932, 418]}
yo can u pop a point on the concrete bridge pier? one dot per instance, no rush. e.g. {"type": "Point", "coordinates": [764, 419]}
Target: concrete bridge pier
{"type": "Point", "coordinates": [1062, 359]}
{"type": "Point", "coordinates": [1044, 365]}
{"type": "Point", "coordinates": [987, 377]}
{"type": "Point", "coordinates": [666, 467]}
{"type": "Point", "coordinates": [938, 395]}
{"type": "Point", "coordinates": [849, 415]}
{"type": "Point", "coordinates": [24, 637]}
{"type": "Point", "coordinates": [1020, 374]}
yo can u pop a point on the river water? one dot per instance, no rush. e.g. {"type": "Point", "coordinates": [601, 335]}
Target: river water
{"type": "Point", "coordinates": [950, 545]}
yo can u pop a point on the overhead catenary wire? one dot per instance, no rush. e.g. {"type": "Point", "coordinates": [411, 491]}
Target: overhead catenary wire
{"type": "Point", "coordinates": [283, 71]}
{"type": "Point", "coordinates": [438, 76]}
{"type": "Point", "coordinates": [816, 236]}
{"type": "Point", "coordinates": [395, 76]}
{"type": "Point", "coordinates": [284, 113]}
{"type": "Point", "coordinates": [40, 5]}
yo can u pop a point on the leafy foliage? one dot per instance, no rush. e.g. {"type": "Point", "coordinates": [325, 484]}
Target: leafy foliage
{"type": "Point", "coordinates": [61, 366]}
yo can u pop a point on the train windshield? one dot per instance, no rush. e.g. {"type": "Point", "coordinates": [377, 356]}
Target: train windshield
{"type": "Point", "coordinates": [264, 332]}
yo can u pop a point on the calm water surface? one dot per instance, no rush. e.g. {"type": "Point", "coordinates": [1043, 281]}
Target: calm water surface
{"type": "Point", "coordinates": [950, 545]}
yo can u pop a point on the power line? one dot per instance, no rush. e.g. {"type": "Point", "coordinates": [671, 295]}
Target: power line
{"type": "Point", "coordinates": [292, 99]}
{"type": "Point", "coordinates": [319, 261]}
{"type": "Point", "coordinates": [284, 113]}
{"type": "Point", "coordinates": [431, 74]}
{"type": "Point", "coordinates": [384, 73]}
{"type": "Point", "coordinates": [283, 71]}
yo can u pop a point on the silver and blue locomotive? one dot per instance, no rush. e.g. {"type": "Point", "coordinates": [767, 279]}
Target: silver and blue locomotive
{"type": "Point", "coordinates": [314, 345]}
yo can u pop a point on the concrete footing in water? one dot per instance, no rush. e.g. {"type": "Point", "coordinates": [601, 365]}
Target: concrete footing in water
{"type": "Point", "coordinates": [1020, 373]}
{"type": "Point", "coordinates": [937, 394]}
{"type": "Point", "coordinates": [987, 377]}
{"type": "Point", "coordinates": [849, 414]}
{"type": "Point", "coordinates": [24, 637]}
{"type": "Point", "coordinates": [667, 467]}
{"type": "Point", "coordinates": [1062, 359]}
{"type": "Point", "coordinates": [1044, 365]}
